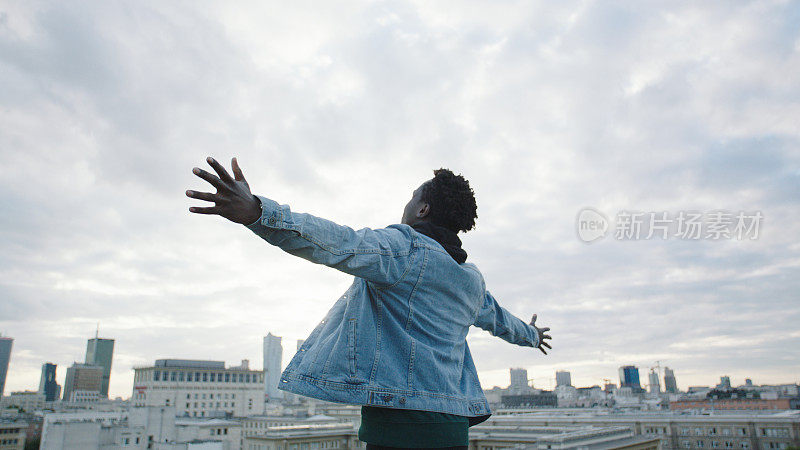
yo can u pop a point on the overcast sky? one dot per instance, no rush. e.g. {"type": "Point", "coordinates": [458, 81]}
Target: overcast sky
{"type": "Point", "coordinates": [341, 109]}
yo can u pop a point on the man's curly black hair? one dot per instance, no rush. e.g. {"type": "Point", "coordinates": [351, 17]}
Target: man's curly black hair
{"type": "Point", "coordinates": [451, 200]}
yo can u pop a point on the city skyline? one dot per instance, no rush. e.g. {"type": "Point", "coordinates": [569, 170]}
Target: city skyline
{"type": "Point", "coordinates": [272, 344]}
{"type": "Point", "coordinates": [548, 109]}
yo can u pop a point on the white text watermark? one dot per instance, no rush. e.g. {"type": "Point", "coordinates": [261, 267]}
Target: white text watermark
{"type": "Point", "coordinates": [592, 225]}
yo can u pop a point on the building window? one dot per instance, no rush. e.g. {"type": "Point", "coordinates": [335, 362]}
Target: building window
{"type": "Point", "coordinates": [227, 378]}
{"type": "Point", "coordinates": [188, 376]}
{"type": "Point", "coordinates": [700, 444]}
{"type": "Point", "coordinates": [241, 378]}
{"type": "Point", "coordinates": [156, 375]}
{"type": "Point", "coordinates": [197, 376]}
{"type": "Point", "coordinates": [205, 376]}
{"type": "Point", "coordinates": [212, 376]}
{"type": "Point", "coordinates": [173, 376]}
{"type": "Point", "coordinates": [180, 376]}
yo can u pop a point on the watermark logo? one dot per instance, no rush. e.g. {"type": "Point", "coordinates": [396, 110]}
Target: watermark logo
{"type": "Point", "coordinates": [591, 225]}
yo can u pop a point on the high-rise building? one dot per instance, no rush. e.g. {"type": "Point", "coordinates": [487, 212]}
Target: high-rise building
{"type": "Point", "coordinates": [655, 385]}
{"type": "Point", "coordinates": [83, 383]}
{"type": "Point", "coordinates": [99, 352]}
{"type": "Point", "coordinates": [47, 383]}
{"type": "Point", "coordinates": [519, 381]}
{"type": "Point", "coordinates": [5, 356]}
{"type": "Point", "coordinates": [273, 352]}
{"type": "Point", "coordinates": [670, 385]}
{"type": "Point", "coordinates": [629, 377]}
{"type": "Point", "coordinates": [724, 383]}
{"type": "Point", "coordinates": [563, 378]}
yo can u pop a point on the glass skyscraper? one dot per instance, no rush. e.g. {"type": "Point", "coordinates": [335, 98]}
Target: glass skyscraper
{"type": "Point", "coordinates": [629, 377]}
{"type": "Point", "coordinates": [47, 384]}
{"type": "Point", "coordinates": [5, 357]}
{"type": "Point", "coordinates": [99, 352]}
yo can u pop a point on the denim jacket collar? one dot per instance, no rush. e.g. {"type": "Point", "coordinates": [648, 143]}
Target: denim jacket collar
{"type": "Point", "coordinates": [445, 237]}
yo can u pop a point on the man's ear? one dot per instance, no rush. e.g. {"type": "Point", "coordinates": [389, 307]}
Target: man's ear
{"type": "Point", "coordinates": [423, 211]}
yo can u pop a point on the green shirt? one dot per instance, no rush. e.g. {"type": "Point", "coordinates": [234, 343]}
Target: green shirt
{"type": "Point", "coordinates": [412, 429]}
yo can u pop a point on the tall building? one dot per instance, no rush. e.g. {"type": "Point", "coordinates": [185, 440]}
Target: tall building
{"type": "Point", "coordinates": [655, 385]}
{"type": "Point", "coordinates": [273, 352]}
{"type": "Point", "coordinates": [5, 356]}
{"type": "Point", "coordinates": [519, 381]}
{"type": "Point", "coordinates": [83, 383]}
{"type": "Point", "coordinates": [563, 378]}
{"type": "Point", "coordinates": [629, 377]}
{"type": "Point", "coordinates": [670, 385]}
{"type": "Point", "coordinates": [200, 388]}
{"type": "Point", "coordinates": [724, 383]}
{"type": "Point", "coordinates": [99, 352]}
{"type": "Point", "coordinates": [300, 343]}
{"type": "Point", "coordinates": [47, 383]}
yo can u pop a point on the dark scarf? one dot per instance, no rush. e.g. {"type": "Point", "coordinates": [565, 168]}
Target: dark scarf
{"type": "Point", "coordinates": [445, 237]}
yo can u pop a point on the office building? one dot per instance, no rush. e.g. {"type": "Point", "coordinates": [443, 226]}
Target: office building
{"type": "Point", "coordinates": [676, 430]}
{"type": "Point", "coordinates": [47, 383]}
{"type": "Point", "coordinates": [12, 434]}
{"type": "Point", "coordinates": [629, 377]}
{"type": "Point", "coordinates": [519, 381]}
{"type": "Point", "coordinates": [28, 401]}
{"type": "Point", "coordinates": [83, 383]}
{"type": "Point", "coordinates": [200, 388]}
{"type": "Point", "coordinates": [563, 378]}
{"type": "Point", "coordinates": [273, 352]}
{"type": "Point", "coordinates": [5, 356]}
{"type": "Point", "coordinates": [99, 352]}
{"type": "Point", "coordinates": [670, 385]}
{"type": "Point", "coordinates": [655, 385]}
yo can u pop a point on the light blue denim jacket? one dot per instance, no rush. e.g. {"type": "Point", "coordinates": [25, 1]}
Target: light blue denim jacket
{"type": "Point", "coordinates": [397, 337]}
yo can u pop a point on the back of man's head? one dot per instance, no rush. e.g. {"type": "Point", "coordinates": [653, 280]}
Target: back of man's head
{"type": "Point", "coordinates": [451, 201]}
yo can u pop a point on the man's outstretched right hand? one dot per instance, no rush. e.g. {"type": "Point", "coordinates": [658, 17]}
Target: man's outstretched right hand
{"type": "Point", "coordinates": [542, 335]}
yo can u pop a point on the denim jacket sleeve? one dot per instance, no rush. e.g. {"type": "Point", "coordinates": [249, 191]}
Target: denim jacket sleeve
{"type": "Point", "coordinates": [499, 322]}
{"type": "Point", "coordinates": [379, 256]}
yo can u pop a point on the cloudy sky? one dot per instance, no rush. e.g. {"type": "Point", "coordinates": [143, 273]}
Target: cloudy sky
{"type": "Point", "coordinates": [342, 109]}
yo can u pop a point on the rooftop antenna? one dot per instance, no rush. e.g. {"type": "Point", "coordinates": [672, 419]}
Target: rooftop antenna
{"type": "Point", "coordinates": [97, 331]}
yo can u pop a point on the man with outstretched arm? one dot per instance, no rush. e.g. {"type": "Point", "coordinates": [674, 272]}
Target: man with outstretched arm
{"type": "Point", "coordinates": [395, 341]}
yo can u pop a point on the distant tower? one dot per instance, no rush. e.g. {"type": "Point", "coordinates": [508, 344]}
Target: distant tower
{"type": "Point", "coordinates": [563, 378]}
{"type": "Point", "coordinates": [5, 356]}
{"type": "Point", "coordinates": [47, 383]}
{"type": "Point", "coordinates": [670, 385]}
{"type": "Point", "coordinates": [519, 381]}
{"type": "Point", "coordinates": [273, 352]}
{"type": "Point", "coordinates": [99, 352]}
{"type": "Point", "coordinates": [83, 383]}
{"type": "Point", "coordinates": [629, 377]}
{"type": "Point", "coordinates": [655, 385]}
{"type": "Point", "coordinates": [300, 343]}
{"type": "Point", "coordinates": [724, 383]}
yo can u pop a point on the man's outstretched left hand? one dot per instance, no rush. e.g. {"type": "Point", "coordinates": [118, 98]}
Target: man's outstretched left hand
{"type": "Point", "coordinates": [233, 199]}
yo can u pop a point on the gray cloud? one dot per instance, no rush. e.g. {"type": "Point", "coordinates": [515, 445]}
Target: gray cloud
{"type": "Point", "coordinates": [343, 112]}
